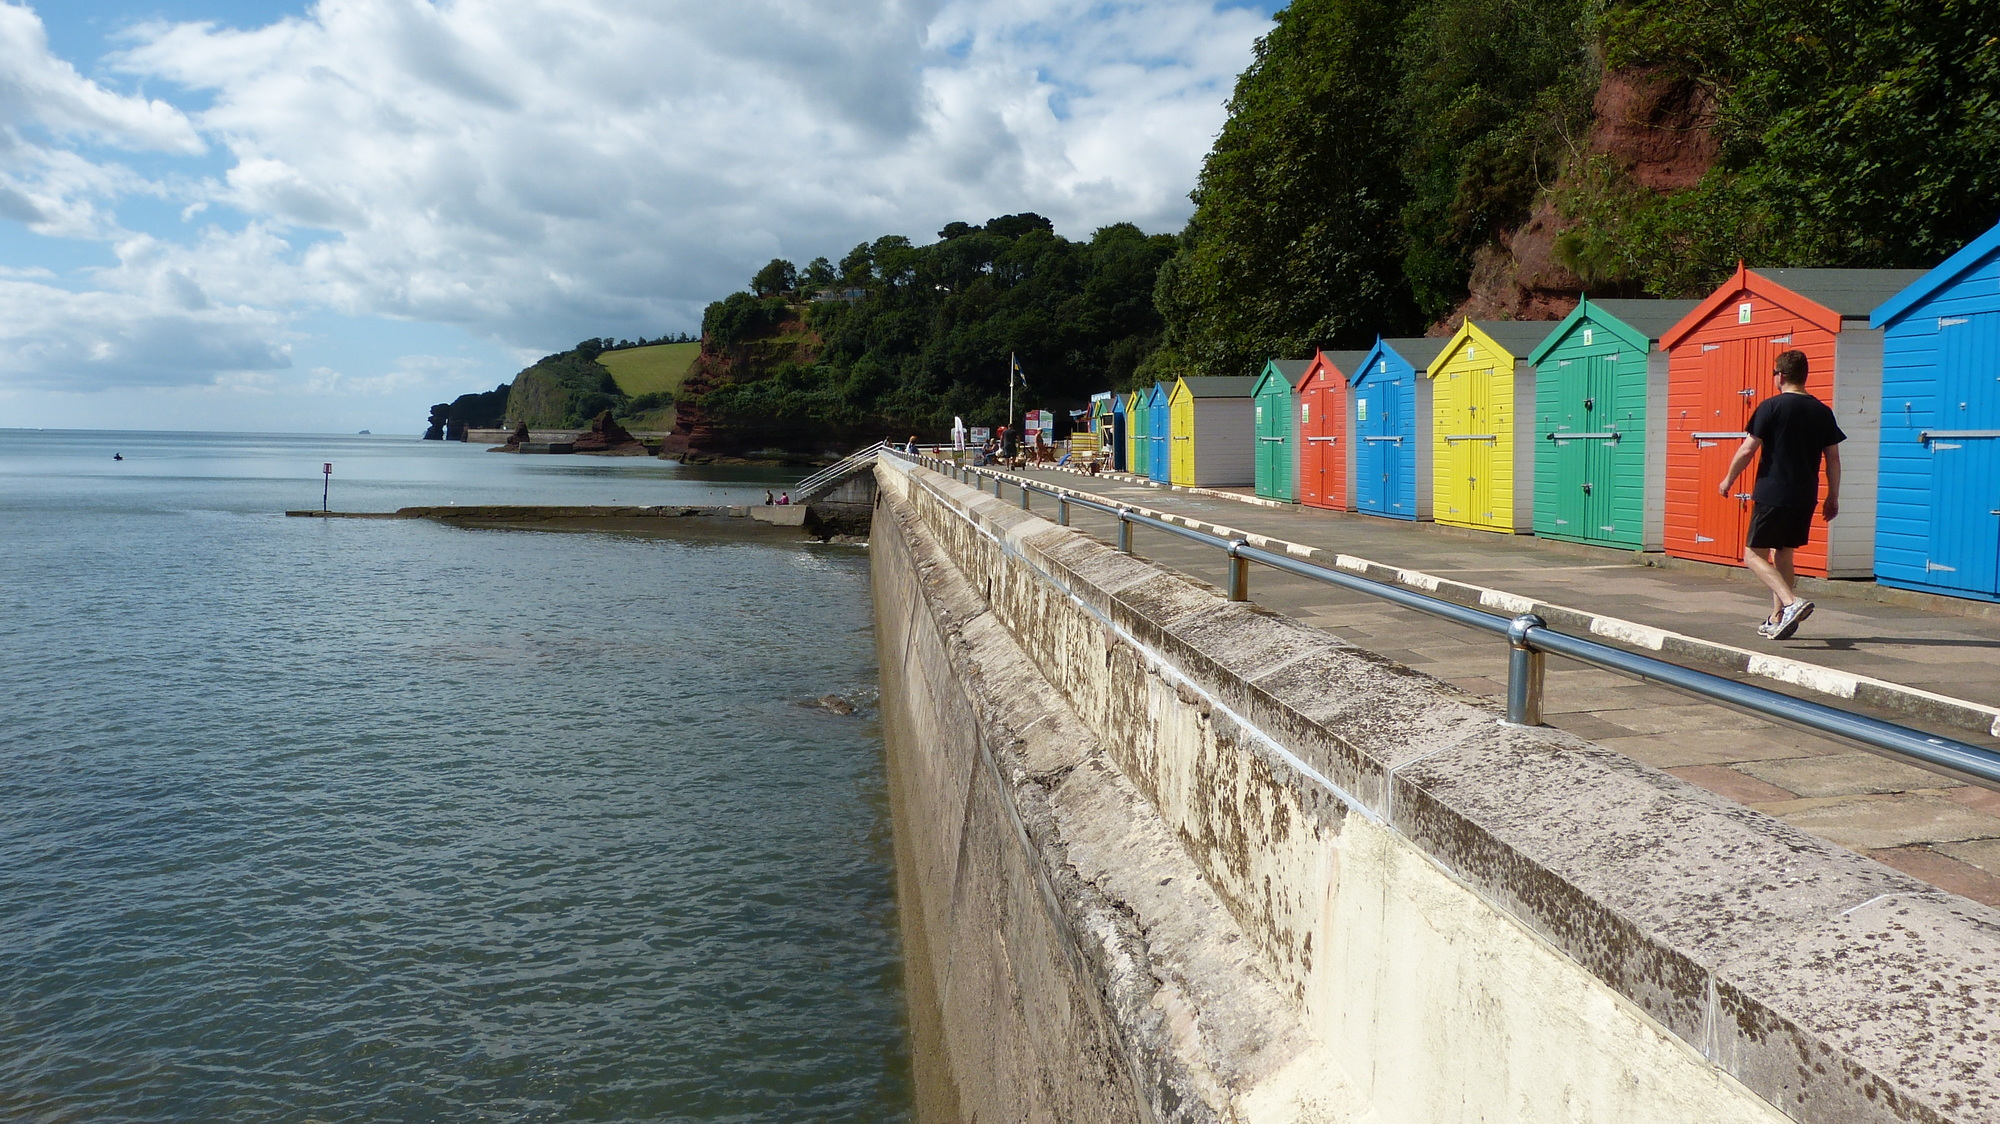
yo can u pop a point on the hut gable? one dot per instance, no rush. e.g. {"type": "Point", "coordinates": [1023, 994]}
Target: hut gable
{"type": "Point", "coordinates": [1971, 274]}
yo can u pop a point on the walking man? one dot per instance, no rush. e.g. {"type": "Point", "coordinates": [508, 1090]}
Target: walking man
{"type": "Point", "coordinates": [1794, 432]}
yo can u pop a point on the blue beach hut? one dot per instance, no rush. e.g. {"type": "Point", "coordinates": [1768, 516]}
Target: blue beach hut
{"type": "Point", "coordinates": [1159, 427]}
{"type": "Point", "coordinates": [1937, 515]}
{"type": "Point", "coordinates": [1389, 416]}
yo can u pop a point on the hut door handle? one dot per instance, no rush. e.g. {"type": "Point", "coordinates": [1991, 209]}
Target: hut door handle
{"type": "Point", "coordinates": [1586, 489]}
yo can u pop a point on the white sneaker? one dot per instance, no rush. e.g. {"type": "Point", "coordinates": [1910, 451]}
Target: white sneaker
{"type": "Point", "coordinates": [1767, 629]}
{"type": "Point", "coordinates": [1789, 620]}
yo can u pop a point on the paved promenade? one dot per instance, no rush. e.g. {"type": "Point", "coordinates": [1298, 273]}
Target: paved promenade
{"type": "Point", "coordinates": [1917, 821]}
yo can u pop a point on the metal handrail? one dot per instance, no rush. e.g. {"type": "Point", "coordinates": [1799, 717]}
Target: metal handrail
{"type": "Point", "coordinates": [1530, 640]}
{"type": "Point", "coordinates": [840, 467]}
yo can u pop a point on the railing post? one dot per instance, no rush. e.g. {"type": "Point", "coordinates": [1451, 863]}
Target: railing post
{"type": "Point", "coordinates": [1239, 573]}
{"type": "Point", "coordinates": [1525, 668]}
{"type": "Point", "coordinates": [1124, 533]}
{"type": "Point", "coordinates": [1024, 497]}
{"type": "Point", "coordinates": [1062, 510]}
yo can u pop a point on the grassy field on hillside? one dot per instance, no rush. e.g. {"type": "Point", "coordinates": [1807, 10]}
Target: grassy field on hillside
{"type": "Point", "coordinates": [643, 370]}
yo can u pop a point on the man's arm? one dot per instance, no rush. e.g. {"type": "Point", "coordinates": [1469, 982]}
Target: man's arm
{"type": "Point", "coordinates": [1830, 507]}
{"type": "Point", "coordinates": [1738, 463]}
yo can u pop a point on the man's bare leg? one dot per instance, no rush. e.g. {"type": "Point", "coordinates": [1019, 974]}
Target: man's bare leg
{"type": "Point", "coordinates": [1775, 572]}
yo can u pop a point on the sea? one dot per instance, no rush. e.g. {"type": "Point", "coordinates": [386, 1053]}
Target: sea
{"type": "Point", "coordinates": [316, 820]}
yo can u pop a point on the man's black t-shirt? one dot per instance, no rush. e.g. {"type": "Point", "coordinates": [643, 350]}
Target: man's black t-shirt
{"type": "Point", "coordinates": [1795, 429]}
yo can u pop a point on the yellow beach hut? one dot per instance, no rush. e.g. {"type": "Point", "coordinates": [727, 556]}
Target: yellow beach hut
{"type": "Point", "coordinates": [1212, 432]}
{"type": "Point", "coordinates": [1482, 386]}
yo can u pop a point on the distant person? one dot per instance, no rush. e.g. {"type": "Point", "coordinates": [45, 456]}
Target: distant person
{"type": "Point", "coordinates": [1794, 432]}
{"type": "Point", "coordinates": [768, 500]}
{"type": "Point", "coordinates": [784, 499]}
{"type": "Point", "coordinates": [118, 456]}
{"type": "Point", "coordinates": [911, 448]}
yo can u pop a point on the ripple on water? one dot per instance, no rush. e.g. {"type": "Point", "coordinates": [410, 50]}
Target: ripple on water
{"type": "Point", "coordinates": [392, 821]}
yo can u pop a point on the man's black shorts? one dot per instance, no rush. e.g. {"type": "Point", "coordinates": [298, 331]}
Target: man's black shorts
{"type": "Point", "coordinates": [1778, 528]}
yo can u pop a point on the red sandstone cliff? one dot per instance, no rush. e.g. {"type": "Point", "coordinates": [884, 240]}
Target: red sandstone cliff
{"type": "Point", "coordinates": [700, 436]}
{"type": "Point", "coordinates": [1658, 130]}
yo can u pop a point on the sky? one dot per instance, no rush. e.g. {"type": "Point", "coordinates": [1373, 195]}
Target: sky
{"type": "Point", "coordinates": [324, 217]}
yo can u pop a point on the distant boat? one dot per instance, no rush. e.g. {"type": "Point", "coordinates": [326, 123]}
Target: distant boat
{"type": "Point", "coordinates": [118, 456]}
{"type": "Point", "coordinates": [365, 433]}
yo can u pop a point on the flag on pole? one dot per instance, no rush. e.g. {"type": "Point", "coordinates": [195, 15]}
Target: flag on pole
{"type": "Point", "coordinates": [1018, 378]}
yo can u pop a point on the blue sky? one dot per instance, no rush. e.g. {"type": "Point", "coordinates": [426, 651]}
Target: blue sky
{"type": "Point", "coordinates": [244, 214]}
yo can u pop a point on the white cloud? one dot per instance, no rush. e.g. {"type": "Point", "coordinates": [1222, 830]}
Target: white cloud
{"type": "Point", "coordinates": [446, 374]}
{"type": "Point", "coordinates": [37, 87]}
{"type": "Point", "coordinates": [534, 171]}
{"type": "Point", "coordinates": [51, 338]}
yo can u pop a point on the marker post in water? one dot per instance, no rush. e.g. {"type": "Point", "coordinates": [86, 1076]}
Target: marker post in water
{"type": "Point", "coordinates": [326, 484]}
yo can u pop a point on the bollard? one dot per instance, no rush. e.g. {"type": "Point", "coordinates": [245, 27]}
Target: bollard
{"type": "Point", "coordinates": [1239, 572]}
{"type": "Point", "coordinates": [1525, 668]}
{"type": "Point", "coordinates": [1062, 510]}
{"type": "Point", "coordinates": [1124, 534]}
{"type": "Point", "coordinates": [1024, 497]}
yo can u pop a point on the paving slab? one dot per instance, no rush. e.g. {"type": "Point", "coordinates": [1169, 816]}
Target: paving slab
{"type": "Point", "coordinates": [1935, 865]}
{"type": "Point", "coordinates": [1982, 853]}
{"type": "Point", "coordinates": [1870, 823]}
{"type": "Point", "coordinates": [1841, 774]}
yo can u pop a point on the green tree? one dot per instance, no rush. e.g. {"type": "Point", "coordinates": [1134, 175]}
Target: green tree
{"type": "Point", "coordinates": [933, 335]}
{"type": "Point", "coordinates": [1852, 134]}
{"type": "Point", "coordinates": [1294, 243]}
{"type": "Point", "coordinates": [780, 276]}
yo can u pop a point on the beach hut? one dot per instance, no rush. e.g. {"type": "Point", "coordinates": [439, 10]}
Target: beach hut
{"type": "Point", "coordinates": [1214, 433]}
{"type": "Point", "coordinates": [1277, 429]}
{"type": "Point", "coordinates": [1116, 434]}
{"type": "Point", "coordinates": [1719, 369]}
{"type": "Point", "coordinates": [1601, 424]}
{"type": "Point", "coordinates": [1105, 428]}
{"type": "Point", "coordinates": [1326, 453]}
{"type": "Point", "coordinates": [1937, 517]}
{"type": "Point", "coordinates": [1389, 416]}
{"type": "Point", "coordinates": [1482, 390]}
{"type": "Point", "coordinates": [1159, 424]}
{"type": "Point", "coordinates": [1135, 431]}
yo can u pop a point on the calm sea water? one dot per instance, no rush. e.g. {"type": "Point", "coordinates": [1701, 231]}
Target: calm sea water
{"type": "Point", "coordinates": [308, 820]}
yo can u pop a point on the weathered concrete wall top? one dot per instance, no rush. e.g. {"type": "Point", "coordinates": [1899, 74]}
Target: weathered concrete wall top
{"type": "Point", "coordinates": [1477, 921]}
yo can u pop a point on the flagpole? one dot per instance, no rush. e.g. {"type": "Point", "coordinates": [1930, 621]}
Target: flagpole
{"type": "Point", "coordinates": [1013, 370]}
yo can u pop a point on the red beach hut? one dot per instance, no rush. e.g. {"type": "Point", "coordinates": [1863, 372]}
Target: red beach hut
{"type": "Point", "coordinates": [1324, 445]}
{"type": "Point", "coordinates": [1719, 369]}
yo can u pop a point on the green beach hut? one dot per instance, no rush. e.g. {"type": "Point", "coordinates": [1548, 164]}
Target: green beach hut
{"type": "Point", "coordinates": [1136, 447]}
{"type": "Point", "coordinates": [1278, 428]}
{"type": "Point", "coordinates": [1601, 424]}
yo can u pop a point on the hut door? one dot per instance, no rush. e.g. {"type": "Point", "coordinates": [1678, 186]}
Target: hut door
{"type": "Point", "coordinates": [1451, 469]}
{"type": "Point", "coordinates": [1730, 381]}
{"type": "Point", "coordinates": [1571, 452]}
{"type": "Point", "coordinates": [1395, 456]}
{"type": "Point", "coordinates": [1313, 449]}
{"type": "Point", "coordinates": [1377, 447]}
{"type": "Point", "coordinates": [1596, 419]}
{"type": "Point", "coordinates": [1485, 418]}
{"type": "Point", "coordinates": [1965, 458]}
{"type": "Point", "coordinates": [1270, 442]}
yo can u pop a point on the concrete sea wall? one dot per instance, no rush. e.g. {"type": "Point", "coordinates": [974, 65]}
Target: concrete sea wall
{"type": "Point", "coordinates": [1168, 858]}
